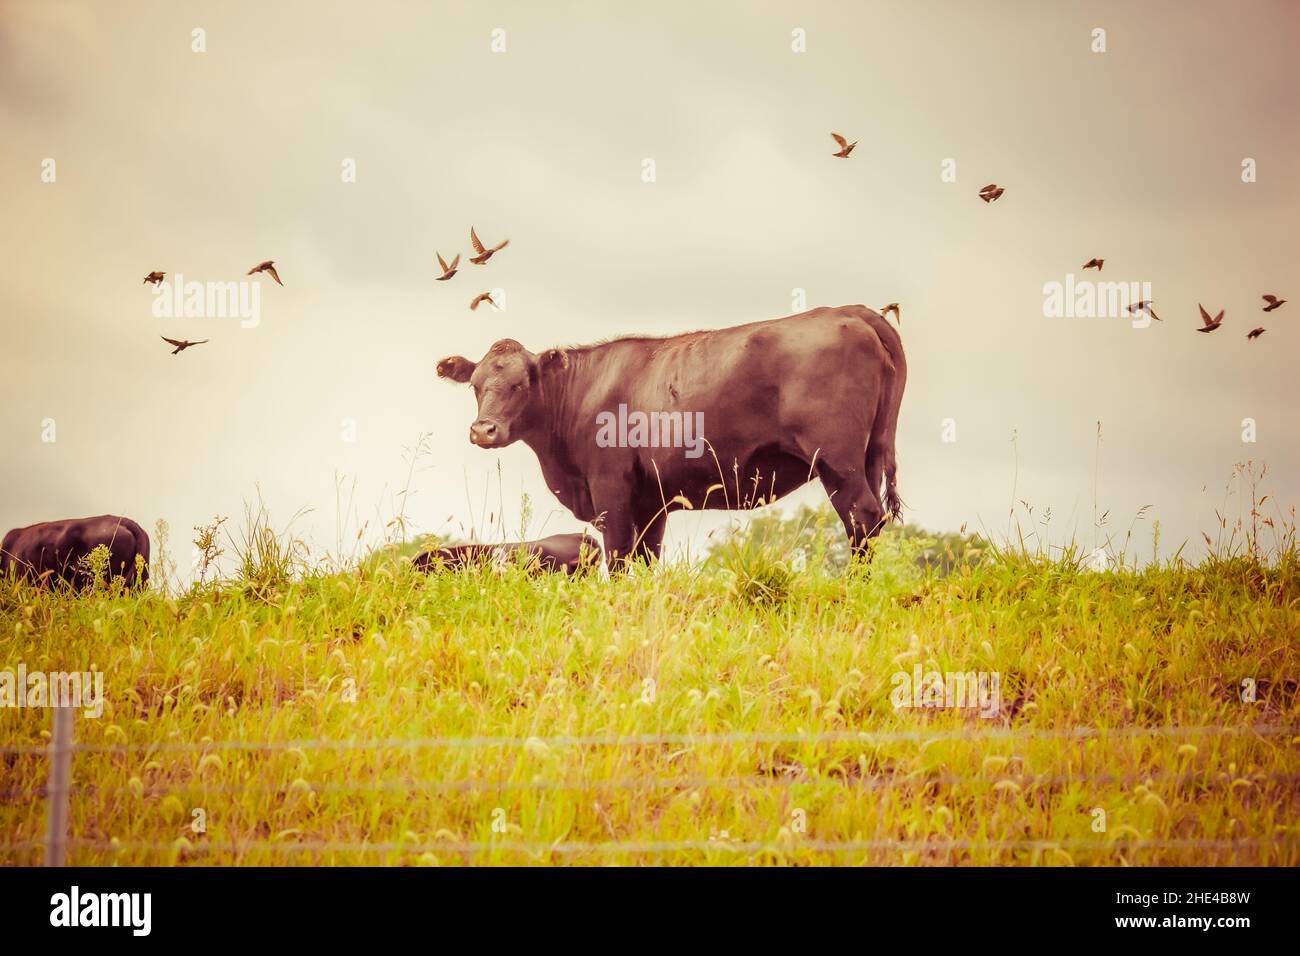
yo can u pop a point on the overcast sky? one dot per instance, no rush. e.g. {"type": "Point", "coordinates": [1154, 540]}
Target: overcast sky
{"type": "Point", "coordinates": [205, 163]}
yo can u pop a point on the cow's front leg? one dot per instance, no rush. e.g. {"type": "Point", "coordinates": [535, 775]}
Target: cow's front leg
{"type": "Point", "coordinates": [650, 536]}
{"type": "Point", "coordinates": [618, 529]}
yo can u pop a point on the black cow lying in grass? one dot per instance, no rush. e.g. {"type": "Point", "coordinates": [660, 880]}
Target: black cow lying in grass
{"type": "Point", "coordinates": [59, 551]}
{"type": "Point", "coordinates": [567, 553]}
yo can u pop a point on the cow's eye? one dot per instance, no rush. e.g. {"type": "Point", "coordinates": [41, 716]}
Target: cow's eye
{"type": "Point", "coordinates": [515, 387]}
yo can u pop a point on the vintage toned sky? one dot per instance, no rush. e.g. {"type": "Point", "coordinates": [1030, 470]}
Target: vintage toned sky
{"type": "Point", "coordinates": [207, 163]}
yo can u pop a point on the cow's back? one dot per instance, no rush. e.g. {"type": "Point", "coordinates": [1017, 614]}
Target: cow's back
{"type": "Point", "coordinates": [566, 553]}
{"type": "Point", "coordinates": [58, 548]}
{"type": "Point", "coordinates": [570, 553]}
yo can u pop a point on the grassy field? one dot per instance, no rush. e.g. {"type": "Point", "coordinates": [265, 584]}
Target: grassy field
{"type": "Point", "coordinates": [734, 713]}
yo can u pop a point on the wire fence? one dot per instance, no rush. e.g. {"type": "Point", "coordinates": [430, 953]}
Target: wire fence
{"type": "Point", "coordinates": [637, 847]}
{"type": "Point", "coordinates": [776, 779]}
{"type": "Point", "coordinates": [59, 789]}
{"type": "Point", "coordinates": [672, 740]}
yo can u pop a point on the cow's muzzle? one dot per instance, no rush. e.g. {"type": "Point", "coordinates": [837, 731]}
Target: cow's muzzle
{"type": "Point", "coordinates": [485, 434]}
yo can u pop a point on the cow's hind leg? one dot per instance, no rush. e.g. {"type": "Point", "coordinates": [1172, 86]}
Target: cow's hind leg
{"type": "Point", "coordinates": [650, 535]}
{"type": "Point", "coordinates": [618, 529]}
{"type": "Point", "coordinates": [855, 501]}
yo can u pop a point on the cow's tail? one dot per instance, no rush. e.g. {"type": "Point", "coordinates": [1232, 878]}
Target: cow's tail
{"type": "Point", "coordinates": [893, 503]}
{"type": "Point", "coordinates": [881, 456]}
{"type": "Point", "coordinates": [887, 423]}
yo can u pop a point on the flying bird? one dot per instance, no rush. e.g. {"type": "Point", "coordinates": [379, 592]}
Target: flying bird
{"type": "Point", "coordinates": [482, 297]}
{"type": "Point", "coordinates": [181, 344]}
{"type": "Point", "coordinates": [267, 266]}
{"type": "Point", "coordinates": [484, 254]}
{"type": "Point", "coordinates": [156, 277]}
{"type": "Point", "coordinates": [1273, 302]}
{"type": "Point", "coordinates": [1094, 264]}
{"type": "Point", "coordinates": [1145, 306]}
{"type": "Point", "coordinates": [1210, 324]}
{"type": "Point", "coordinates": [1256, 333]}
{"type": "Point", "coordinates": [892, 307]}
{"type": "Point", "coordinates": [991, 192]}
{"type": "Point", "coordinates": [447, 270]}
{"type": "Point", "coordinates": [845, 146]}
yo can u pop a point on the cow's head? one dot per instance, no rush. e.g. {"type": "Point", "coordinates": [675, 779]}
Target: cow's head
{"type": "Point", "coordinates": [508, 386]}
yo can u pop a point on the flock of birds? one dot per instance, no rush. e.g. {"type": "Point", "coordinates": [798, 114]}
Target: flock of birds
{"type": "Point", "coordinates": [990, 193]}
{"type": "Point", "coordinates": [993, 192]}
{"type": "Point", "coordinates": [154, 278]}
{"type": "Point", "coordinates": [481, 255]}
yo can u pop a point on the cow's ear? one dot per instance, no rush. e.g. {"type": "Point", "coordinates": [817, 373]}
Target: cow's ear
{"type": "Point", "coordinates": [457, 368]}
{"type": "Point", "coordinates": [553, 360]}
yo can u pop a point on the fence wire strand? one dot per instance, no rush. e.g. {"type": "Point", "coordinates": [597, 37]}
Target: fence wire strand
{"type": "Point", "coordinates": [753, 781]}
{"type": "Point", "coordinates": [722, 844]}
{"type": "Point", "coordinates": [677, 740]}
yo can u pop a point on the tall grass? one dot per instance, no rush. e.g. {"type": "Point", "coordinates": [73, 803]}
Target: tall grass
{"type": "Point", "coordinates": [268, 560]}
{"type": "Point", "coordinates": [474, 717]}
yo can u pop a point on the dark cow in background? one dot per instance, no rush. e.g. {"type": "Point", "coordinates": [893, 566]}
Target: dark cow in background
{"type": "Point", "coordinates": [778, 402]}
{"type": "Point", "coordinates": [53, 550]}
{"type": "Point", "coordinates": [568, 553]}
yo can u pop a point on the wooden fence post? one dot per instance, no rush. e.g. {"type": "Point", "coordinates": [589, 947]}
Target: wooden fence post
{"type": "Point", "coordinates": [57, 787]}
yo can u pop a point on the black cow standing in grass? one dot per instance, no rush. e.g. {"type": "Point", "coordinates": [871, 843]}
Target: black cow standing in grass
{"type": "Point", "coordinates": [567, 553]}
{"type": "Point", "coordinates": [630, 429]}
{"type": "Point", "coordinates": [56, 550]}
